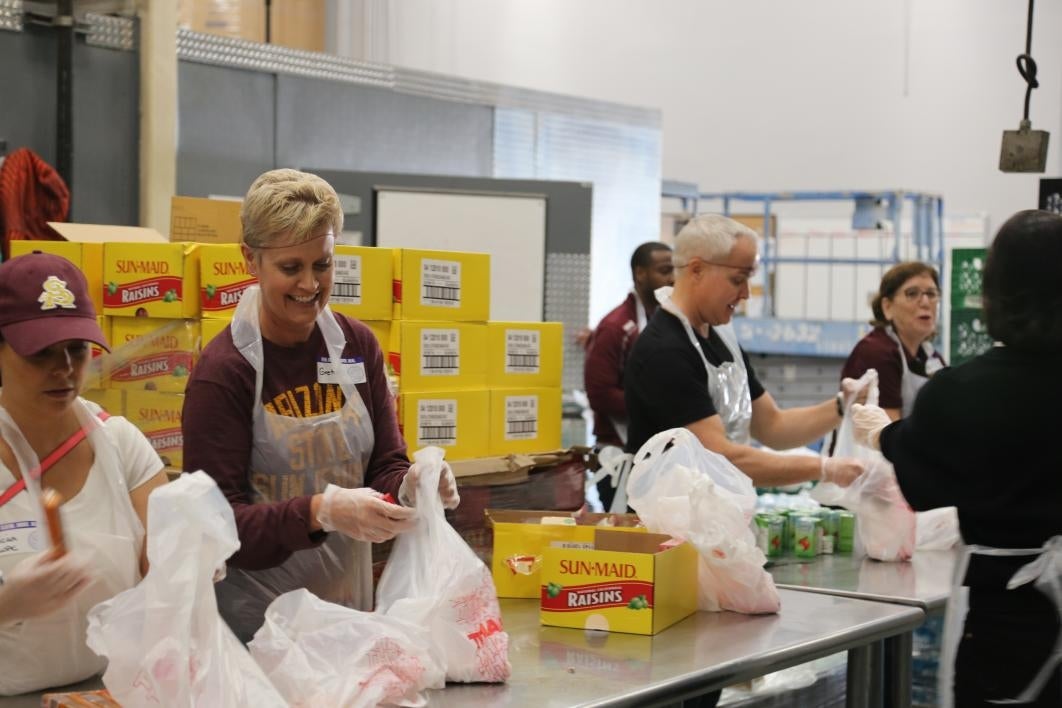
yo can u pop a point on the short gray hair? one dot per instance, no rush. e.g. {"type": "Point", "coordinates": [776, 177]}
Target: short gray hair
{"type": "Point", "coordinates": [289, 204]}
{"type": "Point", "coordinates": [710, 237]}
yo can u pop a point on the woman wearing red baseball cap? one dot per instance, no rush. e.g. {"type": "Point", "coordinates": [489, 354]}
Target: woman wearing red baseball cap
{"type": "Point", "coordinates": [101, 466]}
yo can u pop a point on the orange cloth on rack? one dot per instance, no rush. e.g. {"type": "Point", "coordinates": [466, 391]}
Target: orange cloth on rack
{"type": "Point", "coordinates": [31, 194]}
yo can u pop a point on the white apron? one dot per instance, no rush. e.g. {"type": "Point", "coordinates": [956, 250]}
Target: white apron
{"type": "Point", "coordinates": [910, 382]}
{"type": "Point", "coordinates": [293, 457]}
{"type": "Point", "coordinates": [1045, 573]}
{"type": "Point", "coordinates": [49, 651]}
{"type": "Point", "coordinates": [728, 383]}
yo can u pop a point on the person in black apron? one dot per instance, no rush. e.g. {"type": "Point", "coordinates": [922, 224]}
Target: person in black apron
{"type": "Point", "coordinates": [982, 437]}
{"type": "Point", "coordinates": [289, 411]}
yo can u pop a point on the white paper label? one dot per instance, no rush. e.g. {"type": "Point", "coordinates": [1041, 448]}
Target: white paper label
{"type": "Point", "coordinates": [21, 537]}
{"type": "Point", "coordinates": [440, 283]}
{"type": "Point", "coordinates": [346, 283]}
{"type": "Point", "coordinates": [437, 422]}
{"type": "Point", "coordinates": [522, 351]}
{"type": "Point", "coordinates": [521, 417]}
{"type": "Point", "coordinates": [440, 352]}
{"type": "Point", "coordinates": [353, 368]}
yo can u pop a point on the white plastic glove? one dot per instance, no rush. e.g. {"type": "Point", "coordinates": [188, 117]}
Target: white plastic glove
{"type": "Point", "coordinates": [40, 585]}
{"type": "Point", "coordinates": [362, 514]}
{"type": "Point", "coordinates": [407, 493]}
{"type": "Point", "coordinates": [861, 390]}
{"type": "Point", "coordinates": [867, 423]}
{"type": "Point", "coordinates": [842, 471]}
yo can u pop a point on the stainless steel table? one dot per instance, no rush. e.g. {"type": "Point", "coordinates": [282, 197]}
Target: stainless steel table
{"type": "Point", "coordinates": [707, 651]}
{"type": "Point", "coordinates": [923, 582]}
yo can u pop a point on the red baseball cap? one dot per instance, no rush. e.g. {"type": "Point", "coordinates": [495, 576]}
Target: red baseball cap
{"type": "Point", "coordinates": [44, 300]}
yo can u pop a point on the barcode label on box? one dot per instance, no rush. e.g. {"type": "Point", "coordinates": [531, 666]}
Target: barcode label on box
{"type": "Point", "coordinates": [437, 422]}
{"type": "Point", "coordinates": [521, 417]}
{"type": "Point", "coordinates": [522, 351]}
{"type": "Point", "coordinates": [440, 283]}
{"type": "Point", "coordinates": [346, 284]}
{"type": "Point", "coordinates": [440, 352]}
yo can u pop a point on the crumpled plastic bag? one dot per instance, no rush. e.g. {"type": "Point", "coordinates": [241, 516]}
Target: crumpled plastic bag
{"type": "Point", "coordinates": [937, 529]}
{"type": "Point", "coordinates": [885, 523]}
{"type": "Point", "coordinates": [680, 488]}
{"type": "Point", "coordinates": [434, 580]}
{"type": "Point", "coordinates": [165, 642]}
{"type": "Point", "coordinates": [318, 653]}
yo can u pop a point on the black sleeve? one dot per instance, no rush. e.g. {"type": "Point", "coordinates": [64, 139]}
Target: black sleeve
{"type": "Point", "coordinates": [669, 389]}
{"type": "Point", "coordinates": [755, 387]}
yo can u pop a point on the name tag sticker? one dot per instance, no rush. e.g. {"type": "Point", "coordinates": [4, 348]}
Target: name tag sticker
{"type": "Point", "coordinates": [21, 537]}
{"type": "Point", "coordinates": [353, 368]}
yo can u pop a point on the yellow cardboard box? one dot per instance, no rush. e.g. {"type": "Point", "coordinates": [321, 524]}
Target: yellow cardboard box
{"type": "Point", "coordinates": [523, 354]}
{"type": "Point", "coordinates": [208, 329]}
{"type": "Point", "coordinates": [158, 415]}
{"type": "Point", "coordinates": [438, 356]}
{"type": "Point", "coordinates": [223, 276]}
{"type": "Point", "coordinates": [441, 285]}
{"type": "Point", "coordinates": [456, 421]}
{"type": "Point", "coordinates": [111, 400]}
{"type": "Point", "coordinates": [626, 583]}
{"type": "Point", "coordinates": [363, 282]}
{"type": "Point", "coordinates": [94, 371]}
{"type": "Point", "coordinates": [520, 538]}
{"type": "Point", "coordinates": [205, 220]}
{"type": "Point", "coordinates": [151, 279]}
{"type": "Point", "coordinates": [152, 354]}
{"type": "Point", "coordinates": [524, 420]}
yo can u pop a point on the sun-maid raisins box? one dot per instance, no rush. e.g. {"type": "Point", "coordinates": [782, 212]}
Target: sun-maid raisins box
{"type": "Point", "coordinates": [151, 279]}
{"type": "Point", "coordinates": [441, 285]}
{"type": "Point", "coordinates": [524, 354]}
{"type": "Point", "coordinates": [223, 276]}
{"type": "Point", "coordinates": [362, 282]}
{"type": "Point", "coordinates": [158, 416]}
{"type": "Point", "coordinates": [151, 354]}
{"type": "Point", "coordinates": [438, 356]}
{"type": "Point", "coordinates": [456, 421]}
{"type": "Point", "coordinates": [524, 420]}
{"type": "Point", "coordinates": [629, 582]}
{"type": "Point", "coordinates": [520, 537]}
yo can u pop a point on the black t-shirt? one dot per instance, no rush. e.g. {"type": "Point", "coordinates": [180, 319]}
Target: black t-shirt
{"type": "Point", "coordinates": [665, 383]}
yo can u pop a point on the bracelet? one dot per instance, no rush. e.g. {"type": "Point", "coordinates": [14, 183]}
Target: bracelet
{"type": "Point", "coordinates": [840, 404]}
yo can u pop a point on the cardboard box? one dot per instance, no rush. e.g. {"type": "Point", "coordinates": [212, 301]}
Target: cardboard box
{"type": "Point", "coordinates": [624, 584]}
{"type": "Point", "coordinates": [520, 538]}
{"type": "Point", "coordinates": [79, 699]}
{"type": "Point", "coordinates": [362, 283]}
{"type": "Point", "coordinates": [456, 421]}
{"type": "Point", "coordinates": [524, 420]}
{"type": "Point", "coordinates": [158, 416]}
{"type": "Point", "coordinates": [111, 400]}
{"type": "Point", "coordinates": [208, 329]}
{"type": "Point", "coordinates": [94, 371]}
{"type": "Point", "coordinates": [522, 354]}
{"type": "Point", "coordinates": [151, 279]}
{"type": "Point", "coordinates": [223, 276]}
{"type": "Point", "coordinates": [205, 220]}
{"type": "Point", "coordinates": [438, 356]}
{"type": "Point", "coordinates": [151, 354]}
{"type": "Point", "coordinates": [441, 285]}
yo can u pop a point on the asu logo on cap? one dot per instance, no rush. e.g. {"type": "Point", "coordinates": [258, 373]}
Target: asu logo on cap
{"type": "Point", "coordinates": [54, 293]}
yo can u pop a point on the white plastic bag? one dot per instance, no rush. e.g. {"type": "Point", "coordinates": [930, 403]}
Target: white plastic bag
{"type": "Point", "coordinates": [165, 643]}
{"type": "Point", "coordinates": [433, 579]}
{"type": "Point", "coordinates": [682, 489]}
{"type": "Point", "coordinates": [937, 529]}
{"type": "Point", "coordinates": [885, 523]}
{"type": "Point", "coordinates": [318, 653]}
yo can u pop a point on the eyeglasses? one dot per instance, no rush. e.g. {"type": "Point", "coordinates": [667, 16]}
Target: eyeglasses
{"type": "Point", "coordinates": [915, 294]}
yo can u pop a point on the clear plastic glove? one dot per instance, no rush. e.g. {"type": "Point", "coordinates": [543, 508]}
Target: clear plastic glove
{"type": "Point", "coordinates": [842, 471]}
{"type": "Point", "coordinates": [867, 423]}
{"type": "Point", "coordinates": [362, 514]}
{"type": "Point", "coordinates": [407, 493]}
{"type": "Point", "coordinates": [41, 584]}
{"type": "Point", "coordinates": [861, 389]}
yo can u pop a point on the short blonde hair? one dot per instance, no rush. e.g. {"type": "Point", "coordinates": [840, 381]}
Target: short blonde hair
{"type": "Point", "coordinates": [710, 237]}
{"type": "Point", "coordinates": [291, 205]}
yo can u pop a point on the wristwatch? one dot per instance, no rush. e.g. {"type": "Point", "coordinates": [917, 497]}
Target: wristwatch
{"type": "Point", "coordinates": [840, 404]}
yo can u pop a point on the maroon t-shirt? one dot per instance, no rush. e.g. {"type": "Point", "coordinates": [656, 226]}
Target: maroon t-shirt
{"type": "Point", "coordinates": [878, 350]}
{"type": "Point", "coordinates": [217, 424]}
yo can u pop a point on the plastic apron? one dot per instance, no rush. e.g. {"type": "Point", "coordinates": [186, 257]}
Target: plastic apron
{"type": "Point", "coordinates": [1045, 572]}
{"type": "Point", "coordinates": [728, 383]}
{"type": "Point", "coordinates": [293, 457]}
{"type": "Point", "coordinates": [51, 651]}
{"type": "Point", "coordinates": [910, 382]}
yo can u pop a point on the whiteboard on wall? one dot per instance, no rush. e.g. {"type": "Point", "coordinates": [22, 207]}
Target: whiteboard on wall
{"type": "Point", "coordinates": [512, 229]}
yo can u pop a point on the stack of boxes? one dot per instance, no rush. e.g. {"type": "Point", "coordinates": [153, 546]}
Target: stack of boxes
{"type": "Point", "coordinates": [473, 387]}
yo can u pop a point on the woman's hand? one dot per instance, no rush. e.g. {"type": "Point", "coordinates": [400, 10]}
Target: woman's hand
{"type": "Point", "coordinates": [363, 514]}
{"type": "Point", "coordinates": [867, 422]}
{"type": "Point", "coordinates": [40, 585]}
{"type": "Point", "coordinates": [407, 493]}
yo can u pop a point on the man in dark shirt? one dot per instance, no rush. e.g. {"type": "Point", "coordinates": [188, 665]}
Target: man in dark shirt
{"type": "Point", "coordinates": [687, 370]}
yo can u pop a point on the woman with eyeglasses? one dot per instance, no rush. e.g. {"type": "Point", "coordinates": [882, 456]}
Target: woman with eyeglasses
{"type": "Point", "coordinates": [900, 345]}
